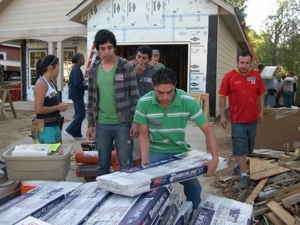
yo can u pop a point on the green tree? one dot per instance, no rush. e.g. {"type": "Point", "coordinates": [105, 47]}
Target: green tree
{"type": "Point", "coordinates": [240, 6]}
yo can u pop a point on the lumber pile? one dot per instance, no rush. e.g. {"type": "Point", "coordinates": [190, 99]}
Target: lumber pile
{"type": "Point", "coordinates": [275, 188]}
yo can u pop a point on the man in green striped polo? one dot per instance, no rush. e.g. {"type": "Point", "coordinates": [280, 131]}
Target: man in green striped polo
{"type": "Point", "coordinates": [162, 115]}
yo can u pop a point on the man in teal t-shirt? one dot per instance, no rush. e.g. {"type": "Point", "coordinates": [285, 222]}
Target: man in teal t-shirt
{"type": "Point", "coordinates": [162, 115]}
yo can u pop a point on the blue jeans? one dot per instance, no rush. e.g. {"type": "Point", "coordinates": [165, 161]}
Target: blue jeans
{"type": "Point", "coordinates": [191, 188]}
{"type": "Point", "coordinates": [105, 135]}
{"type": "Point", "coordinates": [288, 99]}
{"type": "Point", "coordinates": [75, 126]}
{"type": "Point", "coordinates": [243, 138]}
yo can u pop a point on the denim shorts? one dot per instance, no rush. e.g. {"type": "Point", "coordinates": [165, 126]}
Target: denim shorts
{"type": "Point", "coordinates": [243, 138]}
{"type": "Point", "coordinates": [50, 135]}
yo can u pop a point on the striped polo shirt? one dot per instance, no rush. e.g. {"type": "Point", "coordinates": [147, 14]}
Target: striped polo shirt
{"type": "Point", "coordinates": [167, 126]}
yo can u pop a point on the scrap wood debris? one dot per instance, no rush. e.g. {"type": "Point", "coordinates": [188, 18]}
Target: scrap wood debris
{"type": "Point", "coordinates": [273, 191]}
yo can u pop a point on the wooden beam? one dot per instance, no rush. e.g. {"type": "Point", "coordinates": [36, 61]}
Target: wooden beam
{"type": "Point", "coordinates": [274, 219]}
{"type": "Point", "coordinates": [261, 169]}
{"type": "Point", "coordinates": [281, 213]}
{"type": "Point", "coordinates": [256, 191]}
{"type": "Point", "coordinates": [6, 95]}
{"type": "Point", "coordinates": [291, 200]}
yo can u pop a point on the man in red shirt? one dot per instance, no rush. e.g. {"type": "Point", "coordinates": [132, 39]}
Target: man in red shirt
{"type": "Point", "coordinates": [245, 90]}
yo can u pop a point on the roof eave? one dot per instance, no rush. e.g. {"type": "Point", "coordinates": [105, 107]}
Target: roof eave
{"type": "Point", "coordinates": [80, 13]}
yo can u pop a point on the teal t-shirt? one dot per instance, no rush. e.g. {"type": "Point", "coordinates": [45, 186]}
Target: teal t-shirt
{"type": "Point", "coordinates": [107, 112]}
{"type": "Point", "coordinates": [167, 126]}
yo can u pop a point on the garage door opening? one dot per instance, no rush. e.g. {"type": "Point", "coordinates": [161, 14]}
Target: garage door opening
{"type": "Point", "coordinates": [173, 56]}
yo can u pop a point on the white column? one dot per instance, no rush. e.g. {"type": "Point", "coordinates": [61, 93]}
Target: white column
{"type": "Point", "coordinates": [60, 77]}
{"type": "Point", "coordinates": [51, 48]}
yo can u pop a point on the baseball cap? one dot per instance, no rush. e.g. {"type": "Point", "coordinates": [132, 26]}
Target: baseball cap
{"type": "Point", "coordinates": [155, 52]}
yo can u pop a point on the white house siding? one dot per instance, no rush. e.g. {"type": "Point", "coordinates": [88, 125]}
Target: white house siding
{"type": "Point", "coordinates": [166, 21]}
{"type": "Point", "coordinates": [226, 56]}
{"type": "Point", "coordinates": [32, 14]}
{"type": "Point", "coordinates": [45, 21]}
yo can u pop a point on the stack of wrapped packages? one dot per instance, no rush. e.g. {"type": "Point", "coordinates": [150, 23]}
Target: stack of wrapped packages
{"type": "Point", "coordinates": [140, 195]}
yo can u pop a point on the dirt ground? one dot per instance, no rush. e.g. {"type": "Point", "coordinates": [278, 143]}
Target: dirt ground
{"type": "Point", "coordinates": [14, 129]}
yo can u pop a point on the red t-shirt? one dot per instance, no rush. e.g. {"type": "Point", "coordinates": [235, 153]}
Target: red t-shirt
{"type": "Point", "coordinates": [243, 92]}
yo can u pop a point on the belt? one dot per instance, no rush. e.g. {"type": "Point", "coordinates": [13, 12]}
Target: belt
{"type": "Point", "coordinates": [51, 119]}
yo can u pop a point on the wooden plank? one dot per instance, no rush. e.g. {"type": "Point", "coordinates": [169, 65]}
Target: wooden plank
{"type": "Point", "coordinates": [6, 95]}
{"type": "Point", "coordinates": [291, 200]}
{"type": "Point", "coordinates": [296, 157]}
{"type": "Point", "coordinates": [274, 219]}
{"type": "Point", "coordinates": [284, 190]}
{"type": "Point", "coordinates": [261, 169]}
{"type": "Point", "coordinates": [279, 199]}
{"type": "Point", "coordinates": [255, 192]}
{"type": "Point", "coordinates": [281, 213]}
{"type": "Point", "coordinates": [203, 98]}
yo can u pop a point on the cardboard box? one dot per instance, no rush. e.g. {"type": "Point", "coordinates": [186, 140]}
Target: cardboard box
{"type": "Point", "coordinates": [124, 210]}
{"type": "Point", "coordinates": [142, 179]}
{"type": "Point", "coordinates": [9, 196]}
{"type": "Point", "coordinates": [77, 206]}
{"type": "Point", "coordinates": [279, 127]}
{"type": "Point", "coordinates": [219, 210]}
{"type": "Point", "coordinates": [50, 167]}
{"type": "Point", "coordinates": [184, 215]}
{"type": "Point", "coordinates": [35, 202]}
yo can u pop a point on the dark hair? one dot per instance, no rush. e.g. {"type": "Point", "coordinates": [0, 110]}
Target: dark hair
{"type": "Point", "coordinates": [291, 73]}
{"type": "Point", "coordinates": [243, 54]}
{"type": "Point", "coordinates": [164, 76]}
{"type": "Point", "coordinates": [76, 57]}
{"type": "Point", "coordinates": [261, 66]}
{"type": "Point", "coordinates": [145, 49]}
{"type": "Point", "coordinates": [132, 57]}
{"type": "Point", "coordinates": [103, 36]}
{"type": "Point", "coordinates": [43, 64]}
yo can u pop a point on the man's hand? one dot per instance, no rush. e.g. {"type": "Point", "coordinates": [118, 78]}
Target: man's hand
{"type": "Point", "coordinates": [211, 166]}
{"type": "Point", "coordinates": [223, 122]}
{"type": "Point", "coordinates": [140, 68]}
{"type": "Point", "coordinates": [134, 130]}
{"type": "Point", "coordinates": [90, 133]}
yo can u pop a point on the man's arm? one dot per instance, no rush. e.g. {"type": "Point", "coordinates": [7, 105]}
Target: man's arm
{"type": "Point", "coordinates": [222, 105]}
{"type": "Point", "coordinates": [261, 100]}
{"type": "Point", "coordinates": [144, 143]}
{"type": "Point", "coordinates": [211, 140]}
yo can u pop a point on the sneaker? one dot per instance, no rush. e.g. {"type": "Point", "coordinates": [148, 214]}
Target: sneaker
{"type": "Point", "coordinates": [244, 182]}
{"type": "Point", "coordinates": [79, 138]}
{"type": "Point", "coordinates": [68, 135]}
{"type": "Point", "coordinates": [236, 170]}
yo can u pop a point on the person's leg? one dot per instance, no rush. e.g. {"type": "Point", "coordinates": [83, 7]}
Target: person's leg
{"type": "Point", "coordinates": [285, 99]}
{"type": "Point", "coordinates": [136, 154]}
{"type": "Point", "coordinates": [192, 190]}
{"type": "Point", "coordinates": [252, 128]}
{"type": "Point", "coordinates": [240, 149]}
{"type": "Point", "coordinates": [124, 144]}
{"type": "Point", "coordinates": [104, 139]}
{"type": "Point", "coordinates": [290, 99]}
{"type": "Point", "coordinates": [74, 128]}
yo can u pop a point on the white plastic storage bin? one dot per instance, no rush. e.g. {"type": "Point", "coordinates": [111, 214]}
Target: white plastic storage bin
{"type": "Point", "coordinates": [51, 167]}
